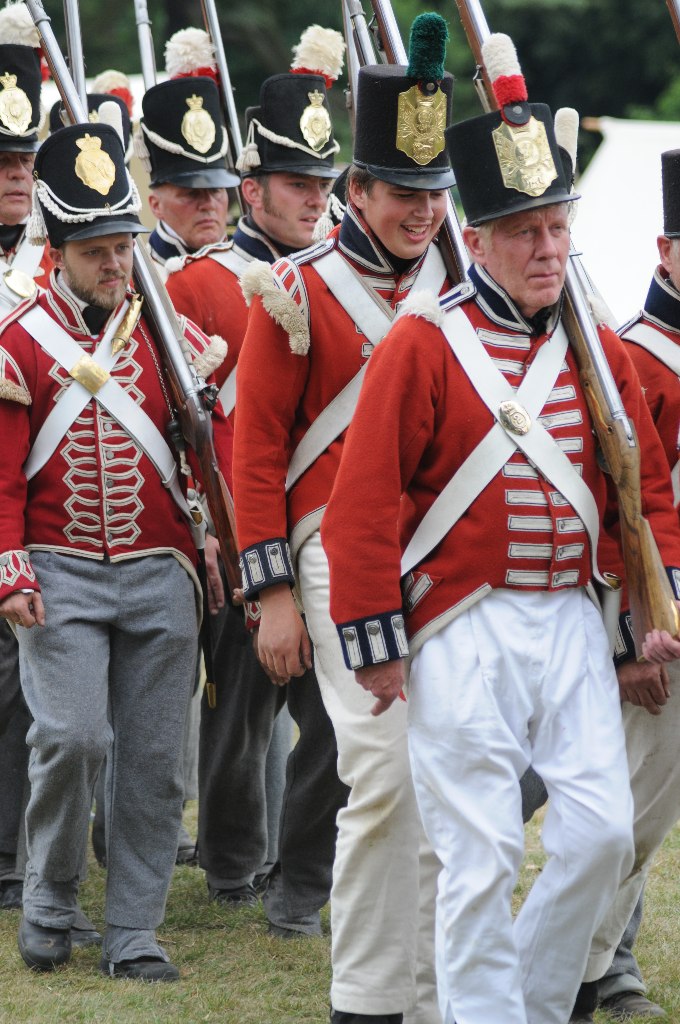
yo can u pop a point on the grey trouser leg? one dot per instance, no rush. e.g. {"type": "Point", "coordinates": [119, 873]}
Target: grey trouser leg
{"type": "Point", "coordinates": [13, 784]}
{"type": "Point", "coordinates": [122, 634]}
{"type": "Point", "coordinates": [10, 687]}
{"type": "Point", "coordinates": [314, 795]}
{"type": "Point", "coordinates": [624, 975]}
{"type": "Point", "coordinates": [275, 781]}
{"type": "Point", "coordinates": [235, 739]}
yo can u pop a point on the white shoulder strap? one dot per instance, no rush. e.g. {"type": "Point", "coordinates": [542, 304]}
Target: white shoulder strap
{"type": "Point", "coordinates": [230, 260]}
{"type": "Point", "coordinates": [26, 261]}
{"type": "Point", "coordinates": [489, 457]}
{"type": "Point", "coordinates": [373, 317]}
{"type": "Point", "coordinates": [665, 350]}
{"type": "Point", "coordinates": [227, 393]}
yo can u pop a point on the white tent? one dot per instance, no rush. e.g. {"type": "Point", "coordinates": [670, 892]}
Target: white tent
{"type": "Point", "coordinates": [621, 212]}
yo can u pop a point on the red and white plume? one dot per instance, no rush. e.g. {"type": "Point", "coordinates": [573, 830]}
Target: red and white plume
{"type": "Point", "coordinates": [319, 52]}
{"type": "Point", "coordinates": [115, 83]}
{"type": "Point", "coordinates": [190, 53]}
{"type": "Point", "coordinates": [504, 71]}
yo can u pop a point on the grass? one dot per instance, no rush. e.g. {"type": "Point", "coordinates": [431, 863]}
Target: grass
{"type": "Point", "coordinates": [233, 972]}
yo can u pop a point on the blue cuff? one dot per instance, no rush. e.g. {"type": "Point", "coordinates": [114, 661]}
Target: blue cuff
{"type": "Point", "coordinates": [624, 647]}
{"type": "Point", "coordinates": [266, 564]}
{"type": "Point", "coordinates": [373, 640]}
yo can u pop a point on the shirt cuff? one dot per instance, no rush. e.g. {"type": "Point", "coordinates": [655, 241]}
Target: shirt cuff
{"type": "Point", "coordinates": [374, 639]}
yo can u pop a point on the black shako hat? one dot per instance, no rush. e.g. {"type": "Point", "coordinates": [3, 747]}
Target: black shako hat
{"type": "Point", "coordinates": [20, 114]}
{"type": "Point", "coordinates": [402, 112]}
{"type": "Point", "coordinates": [670, 181]}
{"type": "Point", "coordinates": [94, 102]}
{"type": "Point", "coordinates": [82, 188]}
{"type": "Point", "coordinates": [291, 129]}
{"type": "Point", "coordinates": [181, 136]}
{"type": "Point", "coordinates": [508, 161]}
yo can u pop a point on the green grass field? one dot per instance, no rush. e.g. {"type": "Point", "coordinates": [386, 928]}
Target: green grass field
{"type": "Point", "coordinates": [233, 972]}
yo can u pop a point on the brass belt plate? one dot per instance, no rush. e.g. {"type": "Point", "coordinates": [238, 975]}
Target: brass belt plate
{"type": "Point", "coordinates": [89, 374]}
{"type": "Point", "coordinates": [21, 283]}
{"type": "Point", "coordinates": [514, 417]}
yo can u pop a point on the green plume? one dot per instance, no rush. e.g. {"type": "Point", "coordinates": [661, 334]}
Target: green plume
{"type": "Point", "coordinates": [427, 48]}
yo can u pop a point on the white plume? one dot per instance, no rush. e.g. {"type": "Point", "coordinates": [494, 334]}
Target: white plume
{"type": "Point", "coordinates": [187, 50]}
{"type": "Point", "coordinates": [109, 113]}
{"type": "Point", "coordinates": [500, 56]}
{"type": "Point", "coordinates": [566, 131]}
{"type": "Point", "coordinates": [109, 80]}
{"type": "Point", "coordinates": [16, 26]}
{"type": "Point", "coordinates": [320, 49]}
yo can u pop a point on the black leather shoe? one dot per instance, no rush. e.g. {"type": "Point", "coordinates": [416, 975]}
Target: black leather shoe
{"type": "Point", "coordinates": [43, 949]}
{"type": "Point", "coordinates": [341, 1017]}
{"type": "Point", "coordinates": [629, 1005]}
{"type": "Point", "coordinates": [244, 896]}
{"type": "Point", "coordinates": [83, 932]}
{"type": "Point", "coordinates": [144, 968]}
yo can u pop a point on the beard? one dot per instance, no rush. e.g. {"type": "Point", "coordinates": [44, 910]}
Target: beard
{"type": "Point", "coordinates": [100, 296]}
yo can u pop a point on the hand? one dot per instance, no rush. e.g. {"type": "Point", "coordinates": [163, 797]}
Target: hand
{"type": "Point", "coordinates": [659, 646]}
{"type": "Point", "coordinates": [284, 647]}
{"type": "Point", "coordinates": [213, 575]}
{"type": "Point", "coordinates": [24, 609]}
{"type": "Point", "coordinates": [276, 680]}
{"type": "Point", "coordinates": [385, 681]}
{"type": "Point", "coordinates": [644, 685]}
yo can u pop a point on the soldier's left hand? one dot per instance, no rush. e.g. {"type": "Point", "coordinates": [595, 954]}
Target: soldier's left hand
{"type": "Point", "coordinates": [385, 681]}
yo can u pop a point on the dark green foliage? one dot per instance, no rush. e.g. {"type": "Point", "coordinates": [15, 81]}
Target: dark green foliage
{"type": "Point", "coordinates": [427, 47]}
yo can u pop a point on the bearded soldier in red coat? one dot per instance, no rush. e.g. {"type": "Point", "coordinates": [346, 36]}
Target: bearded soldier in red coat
{"type": "Point", "coordinates": [98, 564]}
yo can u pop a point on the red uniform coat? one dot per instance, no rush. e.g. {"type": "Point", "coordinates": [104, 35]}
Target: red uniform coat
{"type": "Point", "coordinates": [98, 495]}
{"type": "Point", "coordinates": [660, 384]}
{"type": "Point", "coordinates": [418, 419]}
{"type": "Point", "coordinates": [286, 377]}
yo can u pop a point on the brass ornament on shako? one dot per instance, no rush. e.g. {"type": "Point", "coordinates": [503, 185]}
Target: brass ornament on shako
{"type": "Point", "coordinates": [93, 117]}
{"type": "Point", "coordinates": [94, 166]}
{"type": "Point", "coordinates": [198, 127]}
{"type": "Point", "coordinates": [514, 417]}
{"type": "Point", "coordinates": [315, 123]}
{"type": "Point", "coordinates": [16, 111]}
{"type": "Point", "coordinates": [421, 120]}
{"type": "Point", "coordinates": [524, 157]}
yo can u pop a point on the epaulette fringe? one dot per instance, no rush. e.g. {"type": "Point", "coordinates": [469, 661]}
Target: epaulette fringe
{"type": "Point", "coordinates": [258, 279]}
{"type": "Point", "coordinates": [13, 392]}
{"type": "Point", "coordinates": [213, 356]}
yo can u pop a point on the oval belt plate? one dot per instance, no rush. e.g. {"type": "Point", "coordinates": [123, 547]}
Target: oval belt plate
{"type": "Point", "coordinates": [20, 283]}
{"type": "Point", "coordinates": [514, 417]}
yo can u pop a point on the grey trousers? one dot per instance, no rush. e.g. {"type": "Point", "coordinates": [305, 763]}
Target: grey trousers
{"type": "Point", "coordinates": [119, 635]}
{"type": "Point", "coordinates": [234, 742]}
{"type": "Point", "coordinates": [14, 723]}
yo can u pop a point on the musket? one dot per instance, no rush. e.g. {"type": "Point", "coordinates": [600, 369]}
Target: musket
{"type": "Point", "coordinates": [74, 45]}
{"type": "Point", "coordinates": [212, 27]}
{"type": "Point", "coordinates": [147, 54]}
{"type": "Point", "coordinates": [392, 51]}
{"type": "Point", "coordinates": [674, 11]}
{"type": "Point", "coordinates": [652, 603]}
{"type": "Point", "coordinates": [193, 398]}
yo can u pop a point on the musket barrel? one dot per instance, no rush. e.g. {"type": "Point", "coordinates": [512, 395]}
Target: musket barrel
{"type": "Point", "coordinates": [74, 44]}
{"type": "Point", "coordinates": [146, 51]}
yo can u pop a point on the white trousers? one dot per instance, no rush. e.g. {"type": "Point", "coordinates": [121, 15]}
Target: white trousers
{"type": "Point", "coordinates": [384, 876]}
{"type": "Point", "coordinates": [654, 763]}
{"type": "Point", "coordinates": [519, 678]}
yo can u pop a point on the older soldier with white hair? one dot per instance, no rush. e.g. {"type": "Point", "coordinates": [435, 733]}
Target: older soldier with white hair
{"type": "Point", "coordinates": [472, 445]}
